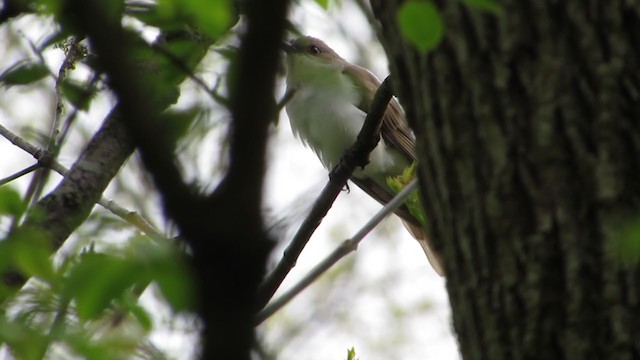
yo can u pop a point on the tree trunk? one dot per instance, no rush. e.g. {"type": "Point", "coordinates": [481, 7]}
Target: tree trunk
{"type": "Point", "coordinates": [529, 146]}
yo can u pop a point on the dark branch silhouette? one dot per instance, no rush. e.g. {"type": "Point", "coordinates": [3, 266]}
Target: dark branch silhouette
{"type": "Point", "coordinates": [224, 229]}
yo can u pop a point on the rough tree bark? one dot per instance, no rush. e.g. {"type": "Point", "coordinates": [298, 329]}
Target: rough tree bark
{"type": "Point", "coordinates": [529, 145]}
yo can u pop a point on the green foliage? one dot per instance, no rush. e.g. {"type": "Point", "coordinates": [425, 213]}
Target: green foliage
{"type": "Point", "coordinates": [77, 93]}
{"type": "Point", "coordinates": [24, 73]}
{"type": "Point", "coordinates": [53, 39]}
{"type": "Point", "coordinates": [164, 66]}
{"type": "Point", "coordinates": [180, 122]}
{"type": "Point", "coordinates": [397, 183]}
{"type": "Point", "coordinates": [351, 354]}
{"type": "Point", "coordinates": [421, 24]}
{"type": "Point", "coordinates": [97, 280]}
{"type": "Point", "coordinates": [211, 17]}
{"type": "Point", "coordinates": [24, 342]}
{"type": "Point", "coordinates": [10, 202]}
{"type": "Point", "coordinates": [323, 3]}
{"type": "Point", "coordinates": [490, 6]}
{"type": "Point", "coordinates": [86, 291]}
{"type": "Point", "coordinates": [30, 253]}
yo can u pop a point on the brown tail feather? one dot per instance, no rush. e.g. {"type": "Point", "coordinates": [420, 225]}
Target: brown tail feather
{"type": "Point", "coordinates": [383, 196]}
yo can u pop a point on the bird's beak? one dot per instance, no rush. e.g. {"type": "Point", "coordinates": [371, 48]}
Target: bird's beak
{"type": "Point", "coordinates": [287, 47]}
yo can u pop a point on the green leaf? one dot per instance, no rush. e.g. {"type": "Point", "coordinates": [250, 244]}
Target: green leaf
{"type": "Point", "coordinates": [131, 305]}
{"type": "Point", "coordinates": [172, 276]}
{"type": "Point", "coordinates": [10, 202]}
{"type": "Point", "coordinates": [150, 16]}
{"type": "Point", "coordinates": [351, 354]}
{"type": "Point", "coordinates": [78, 94]}
{"type": "Point", "coordinates": [421, 24]}
{"type": "Point", "coordinates": [53, 39]}
{"type": "Point", "coordinates": [88, 347]}
{"type": "Point", "coordinates": [490, 6]}
{"type": "Point", "coordinates": [323, 3]}
{"type": "Point", "coordinates": [168, 271]}
{"type": "Point", "coordinates": [30, 251]}
{"type": "Point", "coordinates": [142, 316]}
{"type": "Point", "coordinates": [397, 183]}
{"type": "Point", "coordinates": [176, 286]}
{"type": "Point", "coordinates": [98, 279]}
{"type": "Point", "coordinates": [23, 341]}
{"type": "Point", "coordinates": [179, 122]}
{"type": "Point", "coordinates": [228, 52]}
{"type": "Point", "coordinates": [212, 17]}
{"type": "Point", "coordinates": [24, 73]}
{"type": "Point", "coordinates": [32, 255]}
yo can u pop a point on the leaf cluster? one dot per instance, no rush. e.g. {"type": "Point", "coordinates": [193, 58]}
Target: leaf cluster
{"type": "Point", "coordinates": [87, 303]}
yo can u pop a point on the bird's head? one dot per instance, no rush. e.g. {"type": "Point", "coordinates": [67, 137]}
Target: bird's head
{"type": "Point", "coordinates": [308, 57]}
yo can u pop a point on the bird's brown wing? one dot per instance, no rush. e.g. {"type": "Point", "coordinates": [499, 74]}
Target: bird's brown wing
{"type": "Point", "coordinates": [395, 132]}
{"type": "Point", "coordinates": [383, 196]}
{"type": "Point", "coordinates": [394, 128]}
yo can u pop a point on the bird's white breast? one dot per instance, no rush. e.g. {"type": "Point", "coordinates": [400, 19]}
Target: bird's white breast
{"type": "Point", "coordinates": [322, 113]}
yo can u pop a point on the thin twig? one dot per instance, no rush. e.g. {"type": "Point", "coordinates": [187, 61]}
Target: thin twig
{"type": "Point", "coordinates": [20, 173]}
{"type": "Point", "coordinates": [357, 156]}
{"type": "Point", "coordinates": [72, 52]}
{"type": "Point", "coordinates": [347, 246]}
{"type": "Point", "coordinates": [20, 142]}
{"type": "Point", "coordinates": [132, 217]}
{"type": "Point", "coordinates": [40, 178]}
{"type": "Point", "coordinates": [44, 159]}
{"type": "Point", "coordinates": [66, 125]}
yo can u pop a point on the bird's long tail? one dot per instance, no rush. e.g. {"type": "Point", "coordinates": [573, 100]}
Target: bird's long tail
{"type": "Point", "coordinates": [423, 239]}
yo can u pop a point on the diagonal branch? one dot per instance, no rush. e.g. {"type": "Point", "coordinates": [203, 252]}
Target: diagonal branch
{"type": "Point", "coordinates": [345, 248]}
{"type": "Point", "coordinates": [19, 174]}
{"type": "Point", "coordinates": [357, 156]}
{"type": "Point", "coordinates": [60, 212]}
{"type": "Point", "coordinates": [45, 160]}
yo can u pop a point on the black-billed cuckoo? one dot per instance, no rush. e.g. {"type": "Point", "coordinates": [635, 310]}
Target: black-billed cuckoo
{"type": "Point", "coordinates": [327, 111]}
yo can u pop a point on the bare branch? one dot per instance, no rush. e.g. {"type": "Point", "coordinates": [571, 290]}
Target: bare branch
{"type": "Point", "coordinates": [345, 248]}
{"type": "Point", "coordinates": [60, 212]}
{"type": "Point", "coordinates": [19, 174]}
{"type": "Point", "coordinates": [40, 178]}
{"type": "Point", "coordinates": [132, 217]}
{"type": "Point", "coordinates": [129, 216]}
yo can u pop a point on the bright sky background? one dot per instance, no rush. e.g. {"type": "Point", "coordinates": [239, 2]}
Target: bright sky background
{"type": "Point", "coordinates": [294, 178]}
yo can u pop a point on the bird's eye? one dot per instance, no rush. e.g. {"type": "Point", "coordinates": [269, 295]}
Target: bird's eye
{"type": "Point", "coordinates": [312, 49]}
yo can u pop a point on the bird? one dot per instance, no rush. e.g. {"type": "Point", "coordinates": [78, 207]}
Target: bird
{"type": "Point", "coordinates": [330, 101]}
